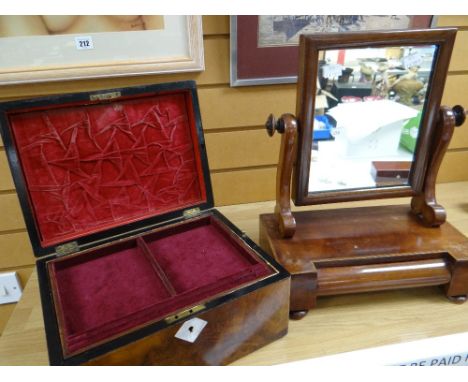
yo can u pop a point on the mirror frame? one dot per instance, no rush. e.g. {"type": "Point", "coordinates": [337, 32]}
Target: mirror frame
{"type": "Point", "coordinates": [310, 45]}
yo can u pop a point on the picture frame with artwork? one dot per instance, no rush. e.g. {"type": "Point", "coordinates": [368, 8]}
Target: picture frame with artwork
{"type": "Point", "coordinates": [264, 49]}
{"type": "Point", "coordinates": [47, 48]}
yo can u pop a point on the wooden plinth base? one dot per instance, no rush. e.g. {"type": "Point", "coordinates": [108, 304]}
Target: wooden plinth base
{"type": "Point", "coordinates": [366, 249]}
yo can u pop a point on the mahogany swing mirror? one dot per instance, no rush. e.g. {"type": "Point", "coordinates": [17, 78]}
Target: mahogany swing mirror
{"type": "Point", "coordinates": [369, 125]}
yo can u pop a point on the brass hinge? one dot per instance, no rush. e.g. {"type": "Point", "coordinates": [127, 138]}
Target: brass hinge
{"type": "Point", "coordinates": [192, 212]}
{"type": "Point", "coordinates": [67, 248]}
{"type": "Point", "coordinates": [104, 96]}
{"type": "Point", "coordinates": [184, 313]}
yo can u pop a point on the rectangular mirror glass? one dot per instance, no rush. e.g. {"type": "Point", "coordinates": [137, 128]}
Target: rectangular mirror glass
{"type": "Point", "coordinates": [369, 105]}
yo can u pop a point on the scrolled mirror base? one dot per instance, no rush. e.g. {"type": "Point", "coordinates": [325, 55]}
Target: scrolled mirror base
{"type": "Point", "coordinates": [286, 125]}
{"type": "Point", "coordinates": [425, 205]}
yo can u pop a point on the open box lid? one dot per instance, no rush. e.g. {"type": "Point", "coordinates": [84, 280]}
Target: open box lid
{"type": "Point", "coordinates": [99, 166]}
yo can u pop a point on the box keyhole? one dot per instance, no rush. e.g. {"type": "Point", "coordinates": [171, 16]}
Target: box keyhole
{"type": "Point", "coordinates": [191, 329]}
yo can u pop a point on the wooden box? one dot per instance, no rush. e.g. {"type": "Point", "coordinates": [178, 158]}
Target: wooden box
{"type": "Point", "coordinates": [390, 172]}
{"type": "Point", "coordinates": [135, 265]}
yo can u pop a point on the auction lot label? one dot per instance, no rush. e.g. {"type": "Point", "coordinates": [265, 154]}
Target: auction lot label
{"type": "Point", "coordinates": [460, 359]}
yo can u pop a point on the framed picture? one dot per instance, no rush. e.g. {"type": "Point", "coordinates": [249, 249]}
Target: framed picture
{"type": "Point", "coordinates": [264, 49]}
{"type": "Point", "coordinates": [56, 48]}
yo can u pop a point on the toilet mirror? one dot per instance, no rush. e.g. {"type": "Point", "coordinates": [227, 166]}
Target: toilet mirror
{"type": "Point", "coordinates": [367, 107]}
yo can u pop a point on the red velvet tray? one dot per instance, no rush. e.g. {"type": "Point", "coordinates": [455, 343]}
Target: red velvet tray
{"type": "Point", "coordinates": [105, 292]}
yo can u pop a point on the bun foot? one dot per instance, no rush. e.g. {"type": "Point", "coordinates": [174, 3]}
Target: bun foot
{"type": "Point", "coordinates": [298, 314]}
{"type": "Point", "coordinates": [457, 299]}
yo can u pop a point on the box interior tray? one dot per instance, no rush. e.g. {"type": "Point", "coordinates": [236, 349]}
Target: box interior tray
{"type": "Point", "coordinates": [104, 292]}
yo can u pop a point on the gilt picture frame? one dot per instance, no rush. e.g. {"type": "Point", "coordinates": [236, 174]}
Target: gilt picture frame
{"type": "Point", "coordinates": [176, 45]}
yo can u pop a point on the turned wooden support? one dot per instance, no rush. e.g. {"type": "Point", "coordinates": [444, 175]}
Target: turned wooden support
{"type": "Point", "coordinates": [298, 314]}
{"type": "Point", "coordinates": [425, 204]}
{"type": "Point", "coordinates": [457, 299]}
{"type": "Point", "coordinates": [287, 126]}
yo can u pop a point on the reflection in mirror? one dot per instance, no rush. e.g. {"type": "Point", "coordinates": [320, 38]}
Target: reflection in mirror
{"type": "Point", "coordinates": [368, 111]}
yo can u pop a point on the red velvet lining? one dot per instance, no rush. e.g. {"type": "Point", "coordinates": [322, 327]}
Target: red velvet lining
{"type": "Point", "coordinates": [196, 261]}
{"type": "Point", "coordinates": [92, 167]}
{"type": "Point", "coordinates": [105, 292]}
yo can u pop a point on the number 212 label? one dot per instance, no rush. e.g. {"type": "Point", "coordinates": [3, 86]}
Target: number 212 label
{"type": "Point", "coordinates": [84, 42]}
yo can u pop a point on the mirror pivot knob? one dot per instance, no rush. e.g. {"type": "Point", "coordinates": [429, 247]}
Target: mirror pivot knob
{"type": "Point", "coordinates": [460, 115]}
{"type": "Point", "coordinates": [273, 124]}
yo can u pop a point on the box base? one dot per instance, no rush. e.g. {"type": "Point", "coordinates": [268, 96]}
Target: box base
{"type": "Point", "coordinates": [192, 292]}
{"type": "Point", "coordinates": [366, 249]}
{"type": "Point", "coordinates": [232, 330]}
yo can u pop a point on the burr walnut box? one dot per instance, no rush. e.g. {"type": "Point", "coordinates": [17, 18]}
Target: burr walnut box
{"type": "Point", "coordinates": [135, 265]}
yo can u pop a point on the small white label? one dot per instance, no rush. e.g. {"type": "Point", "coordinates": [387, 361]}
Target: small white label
{"type": "Point", "coordinates": [332, 70]}
{"type": "Point", "coordinates": [191, 329]}
{"type": "Point", "coordinates": [84, 42]}
{"type": "Point", "coordinates": [412, 60]}
{"type": "Point", "coordinates": [414, 132]}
